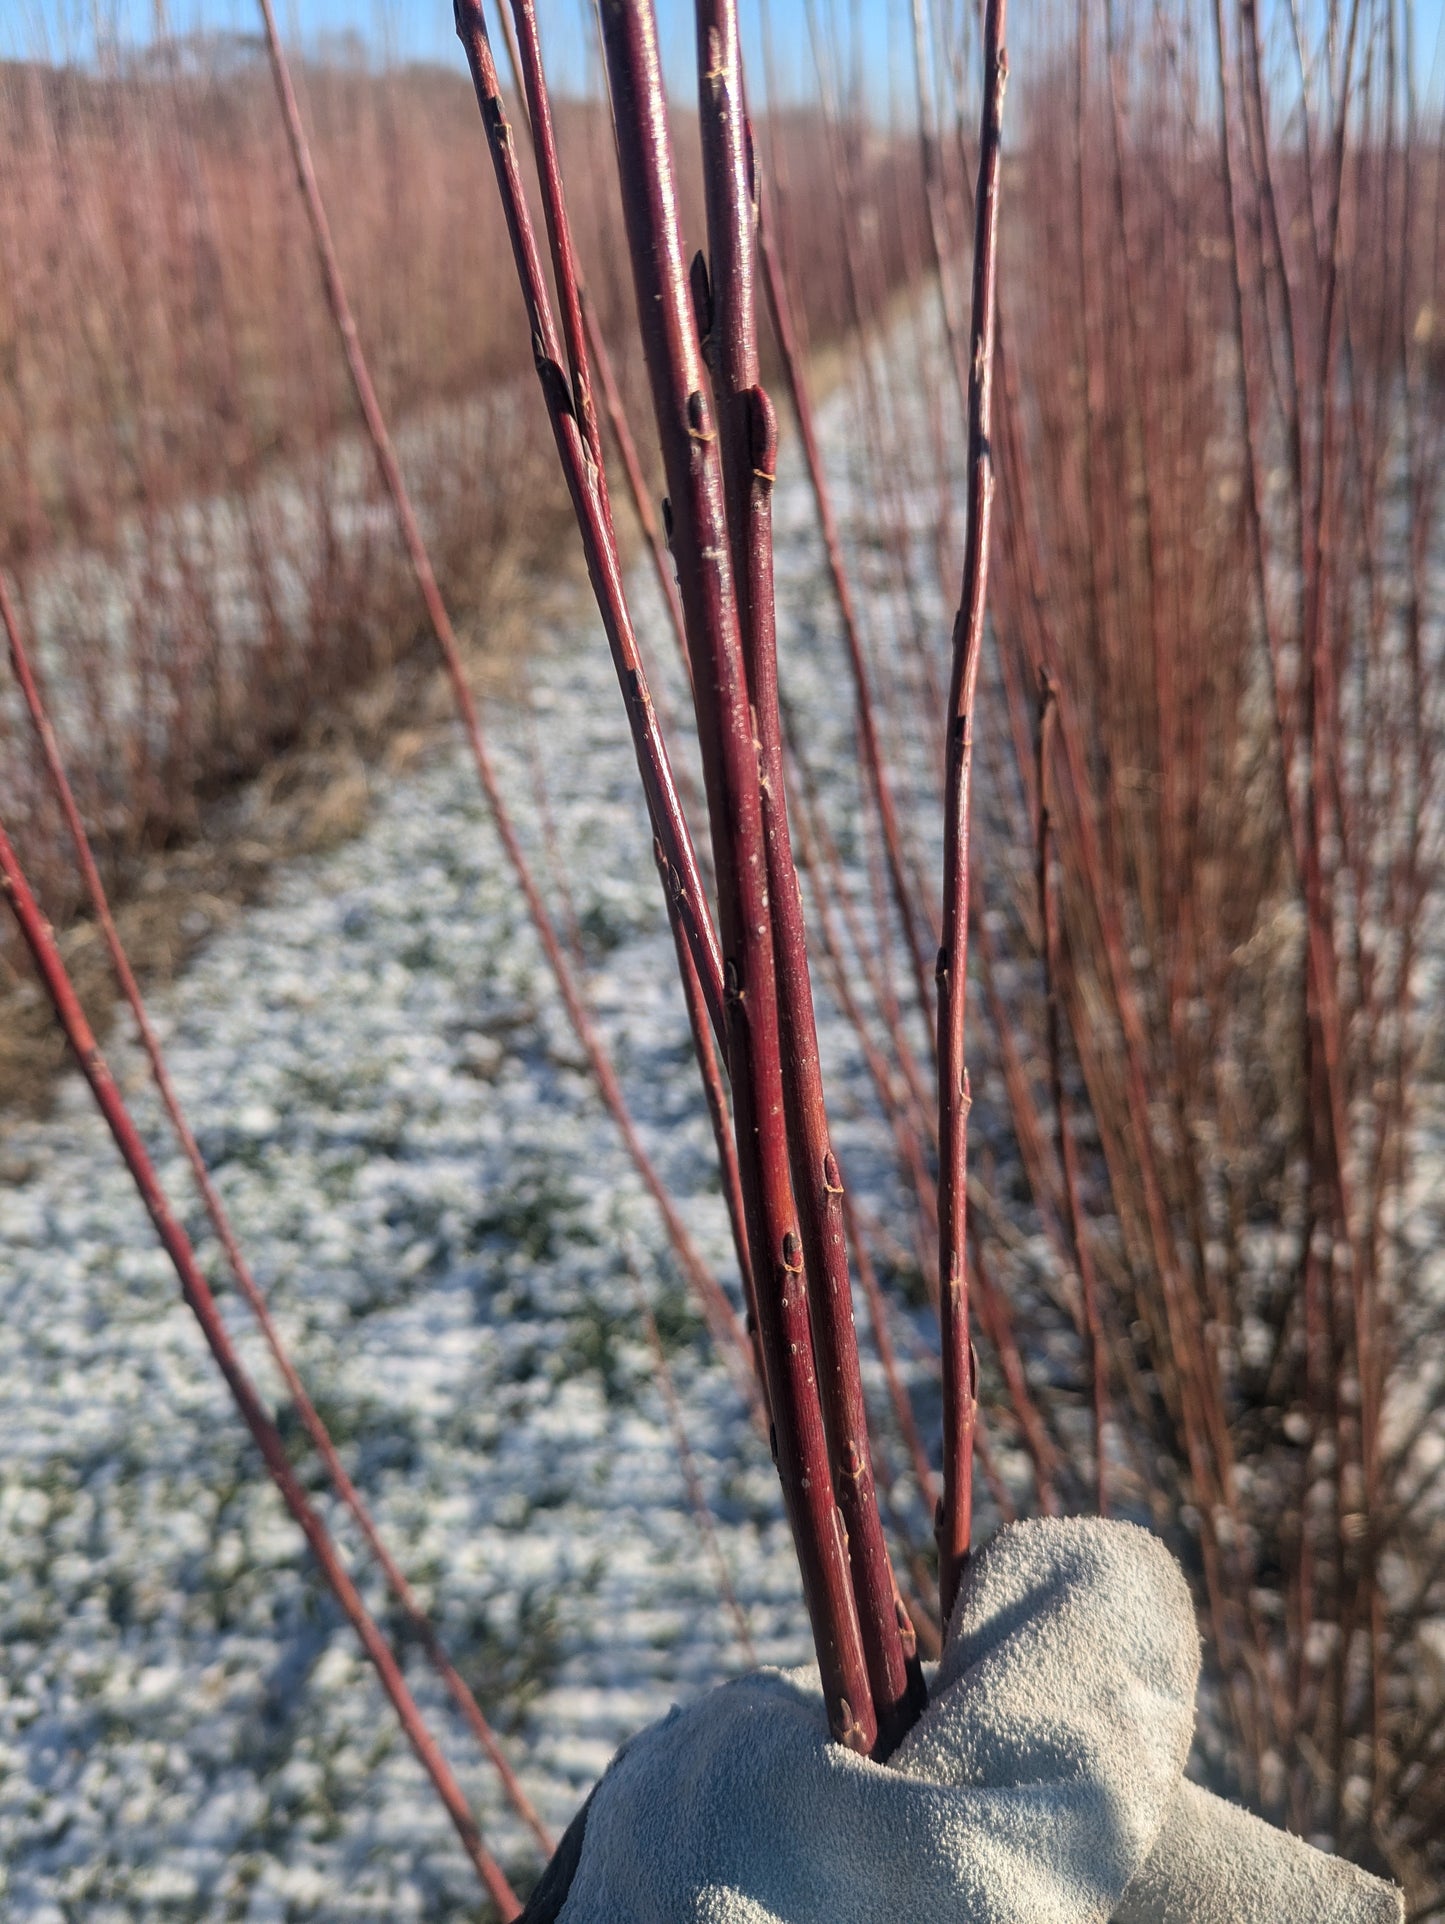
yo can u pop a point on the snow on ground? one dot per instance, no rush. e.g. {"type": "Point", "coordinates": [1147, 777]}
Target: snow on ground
{"type": "Point", "coordinates": [443, 1218]}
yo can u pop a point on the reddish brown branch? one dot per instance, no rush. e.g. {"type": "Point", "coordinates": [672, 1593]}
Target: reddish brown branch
{"type": "Point", "coordinates": [747, 442]}
{"type": "Point", "coordinates": [311, 1420]}
{"type": "Point", "coordinates": [58, 988]}
{"type": "Point", "coordinates": [700, 545]}
{"type": "Point", "coordinates": [699, 1010]}
{"type": "Point", "coordinates": [959, 1387]}
{"type": "Point", "coordinates": [586, 481]}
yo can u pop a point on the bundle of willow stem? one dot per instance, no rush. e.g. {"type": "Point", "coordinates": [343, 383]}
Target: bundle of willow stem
{"type": "Point", "coordinates": [744, 962]}
{"type": "Point", "coordinates": [717, 439]}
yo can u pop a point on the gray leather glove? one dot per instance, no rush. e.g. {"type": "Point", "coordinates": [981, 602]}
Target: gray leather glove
{"type": "Point", "coordinates": [1042, 1785]}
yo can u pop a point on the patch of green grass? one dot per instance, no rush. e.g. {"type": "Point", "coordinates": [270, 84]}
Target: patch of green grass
{"type": "Point", "coordinates": [511, 1656]}
{"type": "Point", "coordinates": [537, 1215]}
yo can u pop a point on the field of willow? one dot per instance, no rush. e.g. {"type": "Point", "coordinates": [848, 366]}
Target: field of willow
{"type": "Point", "coordinates": [632, 716]}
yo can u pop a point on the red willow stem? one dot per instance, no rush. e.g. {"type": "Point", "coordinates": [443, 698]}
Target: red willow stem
{"type": "Point", "coordinates": [1313, 683]}
{"type": "Point", "coordinates": [699, 532]}
{"type": "Point", "coordinates": [578, 452]}
{"type": "Point", "coordinates": [871, 752]}
{"type": "Point", "coordinates": [1311, 825]}
{"type": "Point", "coordinates": [748, 442]}
{"type": "Point", "coordinates": [526, 55]}
{"type": "Point", "coordinates": [698, 1010]}
{"type": "Point", "coordinates": [1322, 1014]}
{"type": "Point", "coordinates": [1176, 902]}
{"type": "Point", "coordinates": [1077, 792]}
{"type": "Point", "coordinates": [612, 398]}
{"type": "Point", "coordinates": [701, 983]}
{"type": "Point", "coordinates": [1077, 815]}
{"type": "Point", "coordinates": [1051, 948]}
{"type": "Point", "coordinates": [960, 1399]}
{"type": "Point", "coordinates": [718, 1311]}
{"type": "Point", "coordinates": [1076, 810]}
{"type": "Point", "coordinates": [607, 379]}
{"type": "Point", "coordinates": [60, 991]}
{"type": "Point", "coordinates": [311, 1420]}
{"type": "Point", "coordinates": [622, 434]}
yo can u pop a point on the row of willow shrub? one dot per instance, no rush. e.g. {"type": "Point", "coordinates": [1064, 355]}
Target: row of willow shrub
{"type": "Point", "coordinates": [189, 518]}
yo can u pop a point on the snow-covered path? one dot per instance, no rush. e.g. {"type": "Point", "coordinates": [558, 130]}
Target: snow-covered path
{"type": "Point", "coordinates": [451, 1236]}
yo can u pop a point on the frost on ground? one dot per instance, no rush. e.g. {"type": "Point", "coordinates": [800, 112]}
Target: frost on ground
{"type": "Point", "coordinates": [448, 1230]}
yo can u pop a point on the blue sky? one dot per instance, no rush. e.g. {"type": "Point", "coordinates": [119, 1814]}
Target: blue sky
{"type": "Point", "coordinates": [869, 38]}
{"type": "Point", "coordinates": [422, 29]}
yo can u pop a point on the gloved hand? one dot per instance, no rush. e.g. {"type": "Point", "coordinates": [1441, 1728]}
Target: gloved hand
{"type": "Point", "coordinates": [1042, 1785]}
